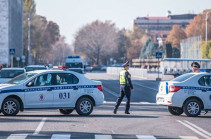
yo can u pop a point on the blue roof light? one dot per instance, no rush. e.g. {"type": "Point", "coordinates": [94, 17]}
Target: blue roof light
{"type": "Point", "coordinates": [205, 70]}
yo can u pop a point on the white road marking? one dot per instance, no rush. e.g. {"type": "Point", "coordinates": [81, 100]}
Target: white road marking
{"type": "Point", "coordinates": [145, 86]}
{"type": "Point", "coordinates": [188, 137]}
{"type": "Point", "coordinates": [145, 137]}
{"type": "Point", "coordinates": [61, 136]}
{"type": "Point", "coordinates": [200, 129]}
{"type": "Point", "coordinates": [17, 136]}
{"type": "Point", "coordinates": [195, 130]}
{"type": "Point", "coordinates": [148, 103]}
{"type": "Point", "coordinates": [110, 92]}
{"type": "Point", "coordinates": [103, 137]}
{"type": "Point", "coordinates": [37, 131]}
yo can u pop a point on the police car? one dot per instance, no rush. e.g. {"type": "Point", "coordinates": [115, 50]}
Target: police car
{"type": "Point", "coordinates": [63, 90]}
{"type": "Point", "coordinates": [189, 93]}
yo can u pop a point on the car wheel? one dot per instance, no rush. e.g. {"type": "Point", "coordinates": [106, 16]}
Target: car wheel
{"type": "Point", "coordinates": [175, 110]}
{"type": "Point", "coordinates": [84, 106]}
{"type": "Point", "coordinates": [192, 108]}
{"type": "Point", "coordinates": [10, 107]}
{"type": "Point", "coordinates": [66, 111]}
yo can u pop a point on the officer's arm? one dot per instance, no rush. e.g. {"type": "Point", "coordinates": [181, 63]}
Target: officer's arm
{"type": "Point", "coordinates": [128, 79]}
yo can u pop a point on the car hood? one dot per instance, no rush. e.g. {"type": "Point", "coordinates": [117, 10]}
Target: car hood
{"type": "Point", "coordinates": [4, 80]}
{"type": "Point", "coordinates": [6, 86]}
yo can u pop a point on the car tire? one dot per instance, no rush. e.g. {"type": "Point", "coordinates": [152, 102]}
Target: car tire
{"type": "Point", "coordinates": [192, 108]}
{"type": "Point", "coordinates": [66, 111]}
{"type": "Point", "coordinates": [10, 107]}
{"type": "Point", "coordinates": [175, 110]}
{"type": "Point", "coordinates": [84, 106]}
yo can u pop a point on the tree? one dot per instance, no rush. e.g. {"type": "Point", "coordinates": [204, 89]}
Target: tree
{"type": "Point", "coordinates": [137, 39]}
{"type": "Point", "coordinates": [168, 50]}
{"type": "Point", "coordinates": [176, 35]}
{"type": "Point", "coordinates": [197, 26]}
{"type": "Point", "coordinates": [175, 52]}
{"type": "Point", "coordinates": [123, 44]}
{"type": "Point", "coordinates": [29, 11]}
{"type": "Point", "coordinates": [97, 41]}
{"type": "Point", "coordinates": [64, 51]}
{"type": "Point", "coordinates": [149, 49]}
{"type": "Point", "coordinates": [206, 50]}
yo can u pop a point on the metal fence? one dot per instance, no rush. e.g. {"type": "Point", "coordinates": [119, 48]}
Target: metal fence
{"type": "Point", "coordinates": [191, 47]}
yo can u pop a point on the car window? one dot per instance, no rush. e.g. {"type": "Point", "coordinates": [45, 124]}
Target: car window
{"type": "Point", "coordinates": [183, 77]}
{"type": "Point", "coordinates": [21, 78]}
{"type": "Point", "coordinates": [42, 80]}
{"type": "Point", "coordinates": [74, 65]}
{"type": "Point", "coordinates": [11, 73]}
{"type": "Point", "coordinates": [66, 78]}
{"type": "Point", "coordinates": [205, 81]}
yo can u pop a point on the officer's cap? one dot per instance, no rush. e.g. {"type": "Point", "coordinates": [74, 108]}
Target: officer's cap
{"type": "Point", "coordinates": [126, 64]}
{"type": "Point", "coordinates": [195, 64]}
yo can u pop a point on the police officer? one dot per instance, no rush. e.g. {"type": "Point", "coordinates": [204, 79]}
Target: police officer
{"type": "Point", "coordinates": [125, 88]}
{"type": "Point", "coordinates": [195, 67]}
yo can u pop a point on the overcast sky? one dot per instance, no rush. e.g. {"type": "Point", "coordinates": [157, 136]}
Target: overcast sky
{"type": "Point", "coordinates": [71, 15]}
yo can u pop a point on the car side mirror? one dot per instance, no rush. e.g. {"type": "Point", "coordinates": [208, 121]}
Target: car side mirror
{"type": "Point", "coordinates": [30, 84]}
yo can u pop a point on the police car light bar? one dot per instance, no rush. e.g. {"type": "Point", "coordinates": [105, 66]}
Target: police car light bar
{"type": "Point", "coordinates": [205, 70]}
{"type": "Point", "coordinates": [63, 67]}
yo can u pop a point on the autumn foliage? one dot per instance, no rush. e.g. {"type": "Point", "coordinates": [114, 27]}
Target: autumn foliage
{"type": "Point", "coordinates": [176, 35]}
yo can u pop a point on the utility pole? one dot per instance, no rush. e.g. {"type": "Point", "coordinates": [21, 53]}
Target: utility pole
{"type": "Point", "coordinates": [29, 41]}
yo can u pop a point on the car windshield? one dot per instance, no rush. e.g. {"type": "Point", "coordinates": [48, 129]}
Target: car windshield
{"type": "Point", "coordinates": [74, 65]}
{"type": "Point", "coordinates": [21, 78]}
{"type": "Point", "coordinates": [183, 77]}
{"type": "Point", "coordinates": [34, 68]}
{"type": "Point", "coordinates": [10, 73]}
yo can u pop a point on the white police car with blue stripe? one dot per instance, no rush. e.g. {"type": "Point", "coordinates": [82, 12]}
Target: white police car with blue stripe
{"type": "Point", "coordinates": [189, 93]}
{"type": "Point", "coordinates": [63, 90]}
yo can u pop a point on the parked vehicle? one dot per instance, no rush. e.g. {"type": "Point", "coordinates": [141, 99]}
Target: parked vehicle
{"type": "Point", "coordinates": [74, 63]}
{"type": "Point", "coordinates": [7, 74]}
{"type": "Point", "coordinates": [35, 67]}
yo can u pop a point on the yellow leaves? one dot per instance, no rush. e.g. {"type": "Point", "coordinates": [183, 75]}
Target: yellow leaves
{"type": "Point", "coordinates": [206, 50]}
{"type": "Point", "coordinates": [176, 35]}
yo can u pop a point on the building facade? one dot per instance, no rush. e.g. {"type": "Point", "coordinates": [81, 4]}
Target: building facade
{"type": "Point", "coordinates": [160, 27]}
{"type": "Point", "coordinates": [11, 29]}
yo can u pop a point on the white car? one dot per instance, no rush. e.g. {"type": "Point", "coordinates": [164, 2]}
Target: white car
{"type": "Point", "coordinates": [35, 67]}
{"type": "Point", "coordinates": [189, 93]}
{"type": "Point", "coordinates": [63, 90]}
{"type": "Point", "coordinates": [7, 74]}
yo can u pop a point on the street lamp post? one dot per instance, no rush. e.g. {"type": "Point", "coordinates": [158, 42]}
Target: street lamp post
{"type": "Point", "coordinates": [29, 41]}
{"type": "Point", "coordinates": [206, 19]}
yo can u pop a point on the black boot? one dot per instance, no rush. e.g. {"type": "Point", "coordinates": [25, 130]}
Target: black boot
{"type": "Point", "coordinates": [115, 111]}
{"type": "Point", "coordinates": [127, 112]}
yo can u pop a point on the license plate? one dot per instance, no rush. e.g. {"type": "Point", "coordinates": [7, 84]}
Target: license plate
{"type": "Point", "coordinates": [160, 99]}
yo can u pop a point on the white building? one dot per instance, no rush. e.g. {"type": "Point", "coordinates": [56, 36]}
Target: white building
{"type": "Point", "coordinates": [11, 29]}
{"type": "Point", "coordinates": [160, 27]}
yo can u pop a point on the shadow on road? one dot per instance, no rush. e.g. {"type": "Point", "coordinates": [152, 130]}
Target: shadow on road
{"type": "Point", "coordinates": [7, 119]}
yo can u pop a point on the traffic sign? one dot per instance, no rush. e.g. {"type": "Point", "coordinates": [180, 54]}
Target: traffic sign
{"type": "Point", "coordinates": [12, 51]}
{"type": "Point", "coordinates": [158, 54]}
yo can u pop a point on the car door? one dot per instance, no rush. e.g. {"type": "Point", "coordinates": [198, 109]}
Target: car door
{"type": "Point", "coordinates": [39, 92]}
{"type": "Point", "coordinates": [66, 90]}
{"type": "Point", "coordinates": [205, 81]}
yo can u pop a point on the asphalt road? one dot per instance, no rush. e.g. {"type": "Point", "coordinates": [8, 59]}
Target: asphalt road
{"type": "Point", "coordinates": [146, 121]}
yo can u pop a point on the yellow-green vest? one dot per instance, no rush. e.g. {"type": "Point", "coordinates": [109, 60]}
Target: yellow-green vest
{"type": "Point", "coordinates": [122, 77]}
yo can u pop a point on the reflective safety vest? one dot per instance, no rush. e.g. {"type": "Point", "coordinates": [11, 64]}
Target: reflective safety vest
{"type": "Point", "coordinates": [122, 77]}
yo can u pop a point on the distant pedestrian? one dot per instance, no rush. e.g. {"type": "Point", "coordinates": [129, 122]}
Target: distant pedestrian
{"type": "Point", "coordinates": [125, 88]}
{"type": "Point", "coordinates": [195, 67]}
